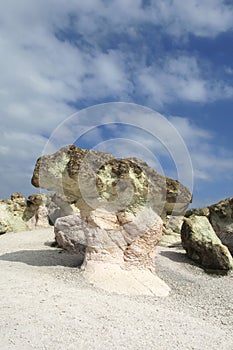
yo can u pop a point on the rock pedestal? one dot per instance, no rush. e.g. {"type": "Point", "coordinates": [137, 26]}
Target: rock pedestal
{"type": "Point", "coordinates": [103, 237]}
{"type": "Point", "coordinates": [118, 252]}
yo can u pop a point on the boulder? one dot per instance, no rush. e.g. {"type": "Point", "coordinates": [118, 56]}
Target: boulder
{"type": "Point", "coordinates": [11, 214]}
{"type": "Point", "coordinates": [35, 214]}
{"type": "Point", "coordinates": [118, 254]}
{"type": "Point", "coordinates": [38, 211]}
{"type": "Point", "coordinates": [221, 219]}
{"type": "Point", "coordinates": [202, 244]}
{"type": "Point", "coordinates": [59, 207]}
{"type": "Point", "coordinates": [95, 179]}
{"type": "Point", "coordinates": [171, 230]}
{"type": "Point", "coordinates": [21, 214]}
{"type": "Point", "coordinates": [220, 216]}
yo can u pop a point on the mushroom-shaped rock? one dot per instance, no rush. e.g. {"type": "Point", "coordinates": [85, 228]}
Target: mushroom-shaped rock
{"type": "Point", "coordinates": [120, 202]}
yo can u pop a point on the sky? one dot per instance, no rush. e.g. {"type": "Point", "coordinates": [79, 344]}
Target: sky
{"type": "Point", "coordinates": [70, 58]}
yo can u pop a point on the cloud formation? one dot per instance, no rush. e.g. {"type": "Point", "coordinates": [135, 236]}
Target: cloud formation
{"type": "Point", "coordinates": [59, 56]}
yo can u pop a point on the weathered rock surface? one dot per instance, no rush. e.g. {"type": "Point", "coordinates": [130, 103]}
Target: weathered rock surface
{"type": "Point", "coordinates": [11, 214]}
{"type": "Point", "coordinates": [118, 252]}
{"type": "Point", "coordinates": [202, 244]}
{"type": "Point", "coordinates": [58, 206]}
{"type": "Point", "coordinates": [95, 179]}
{"type": "Point", "coordinates": [38, 211]}
{"type": "Point", "coordinates": [120, 203]}
{"type": "Point", "coordinates": [220, 216]}
{"type": "Point", "coordinates": [103, 237]}
{"type": "Point", "coordinates": [171, 230]}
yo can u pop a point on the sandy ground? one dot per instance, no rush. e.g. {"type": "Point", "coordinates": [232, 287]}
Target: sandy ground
{"type": "Point", "coordinates": [47, 304]}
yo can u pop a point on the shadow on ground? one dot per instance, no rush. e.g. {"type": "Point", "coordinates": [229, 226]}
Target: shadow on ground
{"type": "Point", "coordinates": [44, 258]}
{"type": "Point", "coordinates": [180, 257]}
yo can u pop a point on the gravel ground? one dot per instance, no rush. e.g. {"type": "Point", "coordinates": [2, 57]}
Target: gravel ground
{"type": "Point", "coordinates": [46, 304]}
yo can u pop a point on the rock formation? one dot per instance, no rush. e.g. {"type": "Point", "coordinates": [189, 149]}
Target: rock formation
{"type": "Point", "coordinates": [171, 230]}
{"type": "Point", "coordinates": [38, 211]}
{"type": "Point", "coordinates": [11, 214]}
{"type": "Point", "coordinates": [95, 179]}
{"type": "Point", "coordinates": [104, 237]}
{"type": "Point", "coordinates": [120, 203]}
{"type": "Point", "coordinates": [20, 214]}
{"type": "Point", "coordinates": [220, 216]}
{"type": "Point", "coordinates": [202, 244]}
{"type": "Point", "coordinates": [115, 247]}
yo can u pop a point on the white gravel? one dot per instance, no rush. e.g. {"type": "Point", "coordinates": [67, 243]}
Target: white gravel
{"type": "Point", "coordinates": [46, 304]}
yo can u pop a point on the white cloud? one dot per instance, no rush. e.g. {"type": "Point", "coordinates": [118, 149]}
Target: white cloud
{"type": "Point", "coordinates": [43, 74]}
{"type": "Point", "coordinates": [18, 154]}
{"type": "Point", "coordinates": [181, 78]}
{"type": "Point", "coordinates": [206, 18]}
{"type": "Point", "coordinates": [210, 162]}
{"type": "Point", "coordinates": [189, 131]}
{"type": "Point", "coordinates": [177, 78]}
{"type": "Point", "coordinates": [107, 77]}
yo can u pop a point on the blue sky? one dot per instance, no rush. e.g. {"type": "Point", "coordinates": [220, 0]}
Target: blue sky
{"type": "Point", "coordinates": [173, 56]}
